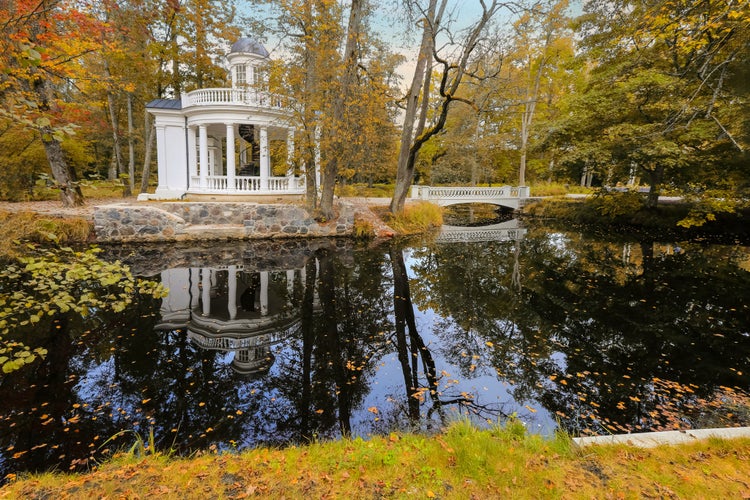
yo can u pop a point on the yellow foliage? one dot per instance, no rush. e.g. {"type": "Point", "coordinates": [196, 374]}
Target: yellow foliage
{"type": "Point", "coordinates": [417, 217]}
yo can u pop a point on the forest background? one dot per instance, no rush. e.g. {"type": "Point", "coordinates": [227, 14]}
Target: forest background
{"type": "Point", "coordinates": [624, 92]}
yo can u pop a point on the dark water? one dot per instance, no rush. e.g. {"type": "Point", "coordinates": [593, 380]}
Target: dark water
{"type": "Point", "coordinates": [276, 343]}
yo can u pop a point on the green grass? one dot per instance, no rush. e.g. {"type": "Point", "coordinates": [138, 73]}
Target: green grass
{"type": "Point", "coordinates": [462, 462]}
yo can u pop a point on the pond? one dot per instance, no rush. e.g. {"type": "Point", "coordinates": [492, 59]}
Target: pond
{"type": "Point", "coordinates": [287, 342]}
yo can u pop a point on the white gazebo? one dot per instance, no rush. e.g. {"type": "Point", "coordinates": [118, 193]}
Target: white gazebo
{"type": "Point", "coordinates": [218, 141]}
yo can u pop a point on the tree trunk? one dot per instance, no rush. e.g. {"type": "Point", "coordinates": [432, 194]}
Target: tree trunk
{"type": "Point", "coordinates": [529, 107]}
{"type": "Point", "coordinates": [309, 119]}
{"type": "Point", "coordinates": [655, 176]}
{"type": "Point", "coordinates": [340, 129]}
{"type": "Point", "coordinates": [452, 75]}
{"type": "Point", "coordinates": [405, 167]}
{"type": "Point", "coordinates": [131, 145]}
{"type": "Point", "coordinates": [117, 151]}
{"type": "Point", "coordinates": [146, 175]}
{"type": "Point", "coordinates": [64, 174]}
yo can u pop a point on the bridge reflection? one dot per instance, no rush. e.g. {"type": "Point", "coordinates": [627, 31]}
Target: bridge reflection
{"type": "Point", "coordinates": [510, 230]}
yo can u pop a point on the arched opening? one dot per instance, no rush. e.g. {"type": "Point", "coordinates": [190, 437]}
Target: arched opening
{"type": "Point", "coordinates": [476, 214]}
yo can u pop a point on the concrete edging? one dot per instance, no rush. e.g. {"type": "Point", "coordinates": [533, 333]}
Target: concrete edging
{"type": "Point", "coordinates": [652, 439]}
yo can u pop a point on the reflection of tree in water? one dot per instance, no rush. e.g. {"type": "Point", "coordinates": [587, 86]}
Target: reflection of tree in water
{"type": "Point", "coordinates": [610, 335]}
{"type": "Point", "coordinates": [660, 327]}
{"type": "Point", "coordinates": [590, 335]}
{"type": "Point", "coordinates": [322, 375]}
{"type": "Point", "coordinates": [412, 351]}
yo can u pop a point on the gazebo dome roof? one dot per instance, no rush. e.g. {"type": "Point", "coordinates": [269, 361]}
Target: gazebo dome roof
{"type": "Point", "coordinates": [248, 45]}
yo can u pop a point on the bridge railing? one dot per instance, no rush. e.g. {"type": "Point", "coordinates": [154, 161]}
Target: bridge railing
{"type": "Point", "coordinates": [429, 192]}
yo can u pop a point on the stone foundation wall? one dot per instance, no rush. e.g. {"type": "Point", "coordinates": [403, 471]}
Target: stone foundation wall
{"type": "Point", "coordinates": [188, 221]}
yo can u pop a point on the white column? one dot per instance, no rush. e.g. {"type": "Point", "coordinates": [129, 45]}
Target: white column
{"type": "Point", "coordinates": [206, 292]}
{"type": "Point", "coordinates": [161, 154]}
{"type": "Point", "coordinates": [231, 167]}
{"type": "Point", "coordinates": [290, 282]}
{"type": "Point", "coordinates": [263, 293]}
{"type": "Point", "coordinates": [203, 146]}
{"type": "Point", "coordinates": [192, 159]}
{"type": "Point", "coordinates": [265, 163]}
{"type": "Point", "coordinates": [232, 286]}
{"type": "Point", "coordinates": [195, 276]}
{"type": "Point", "coordinates": [290, 152]}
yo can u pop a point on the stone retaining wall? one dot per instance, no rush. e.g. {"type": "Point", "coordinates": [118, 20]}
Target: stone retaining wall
{"type": "Point", "coordinates": [187, 221]}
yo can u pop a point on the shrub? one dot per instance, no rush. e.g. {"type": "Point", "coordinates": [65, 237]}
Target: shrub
{"type": "Point", "coordinates": [557, 189]}
{"type": "Point", "coordinates": [615, 204]}
{"type": "Point", "coordinates": [363, 229]}
{"type": "Point", "coordinates": [417, 218]}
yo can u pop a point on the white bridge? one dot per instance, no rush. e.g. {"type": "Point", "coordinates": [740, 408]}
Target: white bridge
{"type": "Point", "coordinates": [507, 196]}
{"type": "Point", "coordinates": [509, 230]}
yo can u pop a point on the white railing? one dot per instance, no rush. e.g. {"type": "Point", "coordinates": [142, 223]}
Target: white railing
{"type": "Point", "coordinates": [504, 231]}
{"type": "Point", "coordinates": [218, 184]}
{"type": "Point", "coordinates": [506, 195]}
{"type": "Point", "coordinates": [236, 97]}
{"type": "Point", "coordinates": [247, 183]}
{"type": "Point", "coordinates": [427, 192]}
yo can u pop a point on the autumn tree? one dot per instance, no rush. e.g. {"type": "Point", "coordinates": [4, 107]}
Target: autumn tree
{"type": "Point", "coordinates": [452, 69]}
{"type": "Point", "coordinates": [340, 77]}
{"type": "Point", "coordinates": [205, 26]}
{"type": "Point", "coordinates": [541, 42]}
{"type": "Point", "coordinates": [41, 57]}
{"type": "Point", "coordinates": [342, 130]}
{"type": "Point", "coordinates": [658, 97]}
{"type": "Point", "coordinates": [310, 32]}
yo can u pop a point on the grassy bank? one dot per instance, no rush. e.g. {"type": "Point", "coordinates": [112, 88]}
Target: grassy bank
{"type": "Point", "coordinates": [416, 218]}
{"type": "Point", "coordinates": [33, 227]}
{"type": "Point", "coordinates": [461, 463]}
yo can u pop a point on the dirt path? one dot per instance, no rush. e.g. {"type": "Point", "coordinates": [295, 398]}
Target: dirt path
{"type": "Point", "coordinates": [55, 208]}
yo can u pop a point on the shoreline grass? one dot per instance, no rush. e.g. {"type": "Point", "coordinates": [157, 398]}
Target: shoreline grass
{"type": "Point", "coordinates": [17, 226]}
{"type": "Point", "coordinates": [416, 218]}
{"type": "Point", "coordinates": [462, 462]}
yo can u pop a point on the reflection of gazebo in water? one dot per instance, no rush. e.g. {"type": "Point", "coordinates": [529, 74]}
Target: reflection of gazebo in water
{"type": "Point", "coordinates": [233, 309]}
